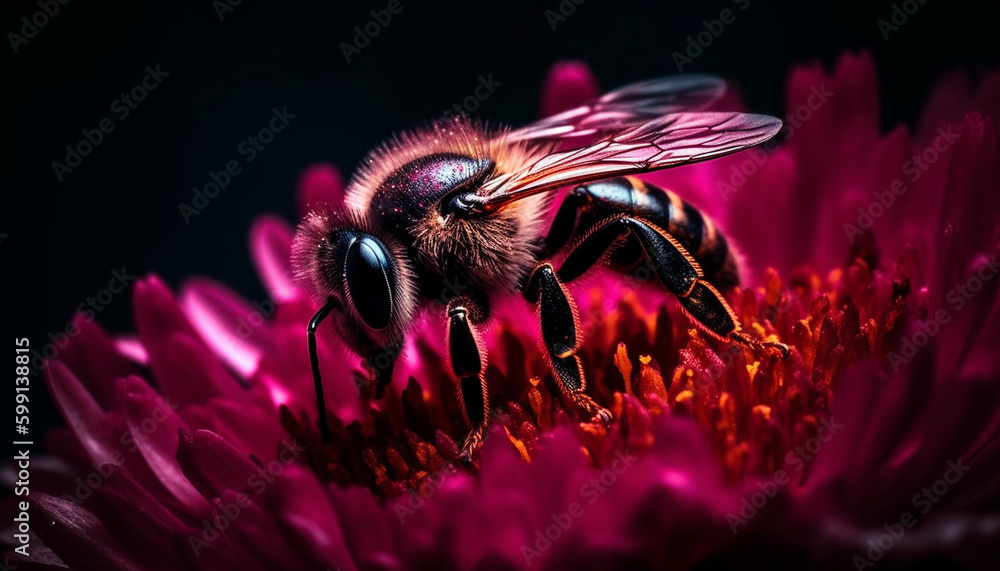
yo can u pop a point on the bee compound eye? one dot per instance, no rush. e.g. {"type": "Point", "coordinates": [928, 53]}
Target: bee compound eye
{"type": "Point", "coordinates": [370, 278]}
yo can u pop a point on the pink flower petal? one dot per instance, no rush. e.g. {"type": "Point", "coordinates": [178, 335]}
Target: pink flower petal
{"type": "Point", "coordinates": [157, 314]}
{"type": "Point", "coordinates": [93, 357]}
{"type": "Point", "coordinates": [840, 128]}
{"type": "Point", "coordinates": [946, 104]}
{"type": "Point", "coordinates": [305, 509]}
{"type": "Point", "coordinates": [986, 99]}
{"type": "Point", "coordinates": [154, 427]}
{"type": "Point", "coordinates": [234, 329]}
{"type": "Point", "coordinates": [213, 465]}
{"type": "Point", "coordinates": [131, 347]}
{"type": "Point", "coordinates": [370, 539]}
{"type": "Point", "coordinates": [252, 427]}
{"type": "Point", "coordinates": [568, 85]}
{"type": "Point", "coordinates": [270, 249]}
{"type": "Point", "coordinates": [96, 429]}
{"type": "Point", "coordinates": [148, 529]}
{"type": "Point", "coordinates": [319, 185]}
{"type": "Point", "coordinates": [190, 373]}
{"type": "Point", "coordinates": [259, 535]}
{"type": "Point", "coordinates": [79, 537]}
{"type": "Point", "coordinates": [973, 165]}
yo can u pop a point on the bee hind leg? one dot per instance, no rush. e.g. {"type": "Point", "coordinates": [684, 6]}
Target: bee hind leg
{"type": "Point", "coordinates": [559, 323]}
{"type": "Point", "coordinates": [674, 267]}
{"type": "Point", "coordinates": [467, 356]}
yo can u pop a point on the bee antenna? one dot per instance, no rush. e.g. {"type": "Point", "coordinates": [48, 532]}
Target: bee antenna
{"type": "Point", "coordinates": [322, 314]}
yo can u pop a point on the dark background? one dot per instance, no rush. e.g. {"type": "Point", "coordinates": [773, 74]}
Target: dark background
{"type": "Point", "coordinates": [120, 206]}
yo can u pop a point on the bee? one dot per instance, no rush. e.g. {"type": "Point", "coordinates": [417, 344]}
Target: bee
{"type": "Point", "coordinates": [459, 202]}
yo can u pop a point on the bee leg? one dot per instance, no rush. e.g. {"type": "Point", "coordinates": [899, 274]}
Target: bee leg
{"type": "Point", "coordinates": [559, 322]}
{"type": "Point", "coordinates": [565, 221]}
{"type": "Point", "coordinates": [709, 308]}
{"type": "Point", "coordinates": [675, 268]}
{"type": "Point", "coordinates": [324, 428]}
{"type": "Point", "coordinates": [466, 353]}
{"type": "Point", "coordinates": [382, 361]}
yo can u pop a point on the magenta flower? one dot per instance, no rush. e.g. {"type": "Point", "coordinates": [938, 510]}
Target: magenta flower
{"type": "Point", "coordinates": [876, 444]}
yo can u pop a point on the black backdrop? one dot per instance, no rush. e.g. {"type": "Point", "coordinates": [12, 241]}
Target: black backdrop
{"type": "Point", "coordinates": [119, 207]}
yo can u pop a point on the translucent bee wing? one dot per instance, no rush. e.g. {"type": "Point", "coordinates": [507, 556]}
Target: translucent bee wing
{"type": "Point", "coordinates": [634, 103]}
{"type": "Point", "coordinates": [665, 142]}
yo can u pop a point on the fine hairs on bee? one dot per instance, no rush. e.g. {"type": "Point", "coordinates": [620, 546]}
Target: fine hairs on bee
{"type": "Point", "coordinates": [495, 252]}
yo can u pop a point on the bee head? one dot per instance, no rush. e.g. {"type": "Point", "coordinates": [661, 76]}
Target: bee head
{"type": "Point", "coordinates": [364, 276]}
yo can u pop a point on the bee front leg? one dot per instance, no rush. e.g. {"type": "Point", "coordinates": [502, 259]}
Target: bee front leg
{"type": "Point", "coordinates": [560, 322]}
{"type": "Point", "coordinates": [467, 356]}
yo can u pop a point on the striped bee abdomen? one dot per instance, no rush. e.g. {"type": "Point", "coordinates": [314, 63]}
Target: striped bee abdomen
{"type": "Point", "coordinates": [695, 231]}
